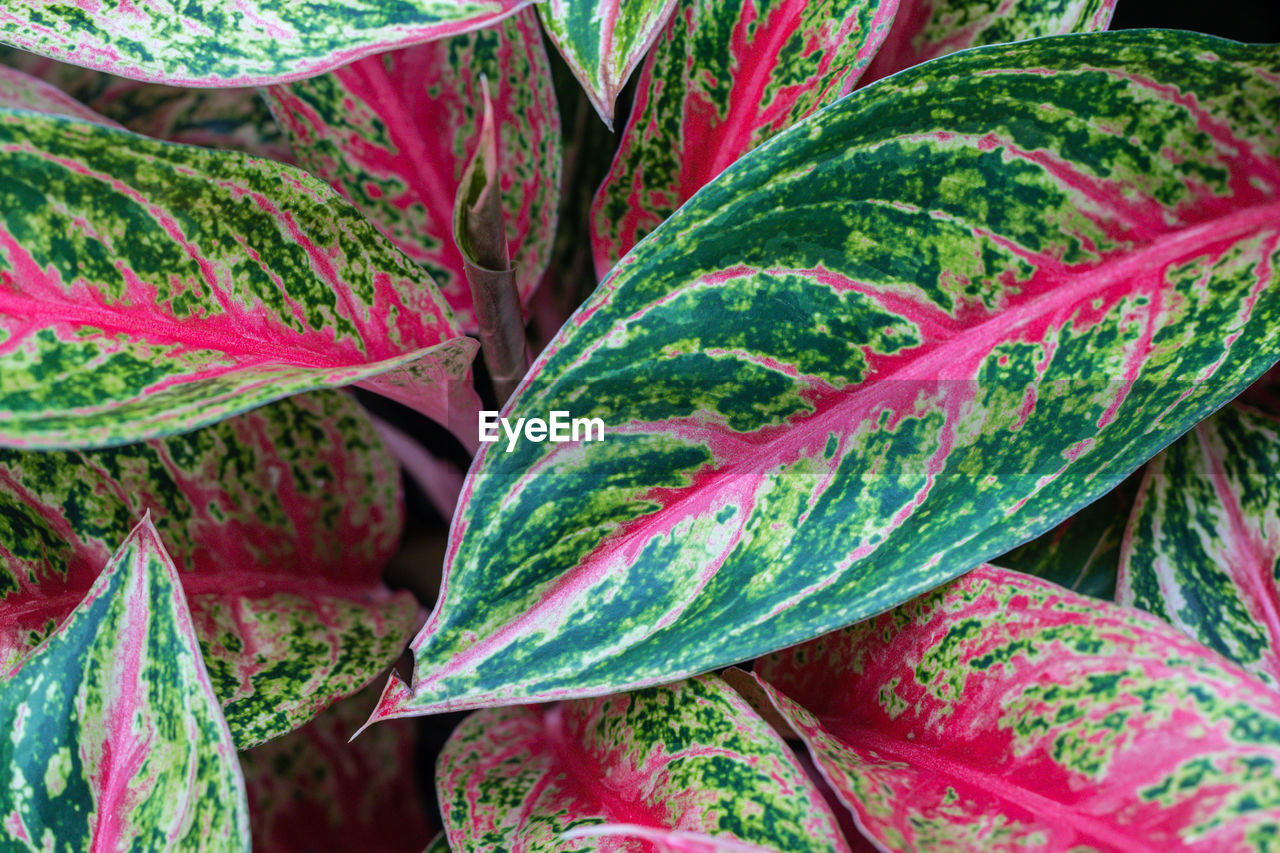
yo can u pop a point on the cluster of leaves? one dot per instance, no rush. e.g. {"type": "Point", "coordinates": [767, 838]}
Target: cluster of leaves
{"type": "Point", "coordinates": [890, 291]}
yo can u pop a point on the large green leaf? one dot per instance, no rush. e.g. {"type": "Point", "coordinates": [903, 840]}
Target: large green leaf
{"type": "Point", "coordinates": [1202, 549]}
{"type": "Point", "coordinates": [926, 29]}
{"type": "Point", "coordinates": [690, 762]}
{"type": "Point", "coordinates": [1002, 713]}
{"type": "Point", "coordinates": [113, 738]}
{"type": "Point", "coordinates": [724, 76]}
{"type": "Point", "coordinates": [603, 41]}
{"type": "Point", "coordinates": [148, 288]}
{"type": "Point", "coordinates": [394, 133]}
{"type": "Point", "coordinates": [246, 43]}
{"type": "Point", "coordinates": [888, 344]}
{"type": "Point", "coordinates": [280, 522]}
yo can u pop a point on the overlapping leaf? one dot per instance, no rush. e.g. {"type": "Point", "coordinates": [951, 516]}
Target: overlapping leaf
{"type": "Point", "coordinates": [603, 41]}
{"type": "Point", "coordinates": [248, 43]}
{"type": "Point", "coordinates": [926, 29]}
{"type": "Point", "coordinates": [722, 78]}
{"type": "Point", "coordinates": [21, 91]}
{"type": "Point", "coordinates": [235, 119]}
{"type": "Point", "coordinates": [312, 791]}
{"type": "Point", "coordinates": [148, 288]}
{"type": "Point", "coordinates": [1083, 552]}
{"type": "Point", "coordinates": [1005, 713]}
{"type": "Point", "coordinates": [687, 760]}
{"type": "Point", "coordinates": [280, 521]}
{"type": "Point", "coordinates": [394, 133]}
{"type": "Point", "coordinates": [113, 737]}
{"type": "Point", "coordinates": [1202, 549]}
{"type": "Point", "coordinates": [887, 345]}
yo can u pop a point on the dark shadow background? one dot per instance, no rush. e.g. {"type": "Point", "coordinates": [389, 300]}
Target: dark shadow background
{"type": "Point", "coordinates": [1243, 20]}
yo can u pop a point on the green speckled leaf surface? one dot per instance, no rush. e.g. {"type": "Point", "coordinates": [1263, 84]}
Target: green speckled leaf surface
{"type": "Point", "coordinates": [148, 288]}
{"type": "Point", "coordinates": [886, 345]}
{"type": "Point", "coordinates": [1202, 549]}
{"type": "Point", "coordinates": [279, 521]}
{"type": "Point", "coordinates": [113, 738]}
{"type": "Point", "coordinates": [690, 758]}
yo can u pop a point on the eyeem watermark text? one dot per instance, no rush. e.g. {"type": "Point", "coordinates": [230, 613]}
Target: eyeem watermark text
{"type": "Point", "coordinates": [560, 427]}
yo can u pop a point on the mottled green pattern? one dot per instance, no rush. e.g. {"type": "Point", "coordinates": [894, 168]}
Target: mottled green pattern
{"type": "Point", "coordinates": [888, 344]}
{"type": "Point", "coordinates": [1083, 552]}
{"type": "Point", "coordinates": [113, 737]}
{"type": "Point", "coordinates": [1202, 549]}
{"type": "Point", "coordinates": [690, 757]}
{"type": "Point", "coordinates": [245, 43]}
{"type": "Point", "coordinates": [280, 522]}
{"type": "Point", "coordinates": [148, 288]}
{"type": "Point", "coordinates": [722, 78]}
{"type": "Point", "coordinates": [317, 790]}
{"type": "Point", "coordinates": [235, 119]}
{"type": "Point", "coordinates": [393, 134]}
{"type": "Point", "coordinates": [926, 29]}
{"type": "Point", "coordinates": [603, 41]}
{"type": "Point", "coordinates": [23, 92]}
{"type": "Point", "coordinates": [1003, 713]}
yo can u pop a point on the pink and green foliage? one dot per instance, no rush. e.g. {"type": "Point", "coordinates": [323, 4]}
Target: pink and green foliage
{"type": "Point", "coordinates": [882, 348]}
{"type": "Point", "coordinates": [927, 29]}
{"type": "Point", "coordinates": [233, 119]}
{"type": "Point", "coordinates": [722, 78]}
{"type": "Point", "coordinates": [113, 737]}
{"type": "Point", "coordinates": [311, 790]}
{"type": "Point", "coordinates": [603, 41]}
{"type": "Point", "coordinates": [393, 133]}
{"type": "Point", "coordinates": [1004, 713]}
{"type": "Point", "coordinates": [279, 522]}
{"type": "Point", "coordinates": [150, 288]}
{"type": "Point", "coordinates": [688, 767]}
{"type": "Point", "coordinates": [895, 289]}
{"type": "Point", "coordinates": [1202, 549]}
{"type": "Point", "coordinates": [247, 43]}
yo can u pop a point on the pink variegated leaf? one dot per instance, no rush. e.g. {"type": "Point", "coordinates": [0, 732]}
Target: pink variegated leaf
{"type": "Point", "coordinates": [439, 480]}
{"type": "Point", "coordinates": [1202, 547]}
{"type": "Point", "coordinates": [1004, 713]}
{"type": "Point", "coordinates": [394, 133]}
{"type": "Point", "coordinates": [113, 739]}
{"type": "Point", "coordinates": [724, 76]}
{"type": "Point", "coordinates": [603, 41]}
{"type": "Point", "coordinates": [316, 790]}
{"type": "Point", "coordinates": [887, 345]}
{"type": "Point", "coordinates": [21, 91]}
{"type": "Point", "coordinates": [926, 29]}
{"type": "Point", "coordinates": [214, 43]}
{"type": "Point", "coordinates": [234, 119]}
{"type": "Point", "coordinates": [148, 288]}
{"type": "Point", "coordinates": [279, 521]}
{"type": "Point", "coordinates": [688, 767]}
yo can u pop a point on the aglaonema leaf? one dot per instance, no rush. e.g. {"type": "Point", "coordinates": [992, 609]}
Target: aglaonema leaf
{"type": "Point", "coordinates": [213, 44]}
{"type": "Point", "coordinates": [886, 345]}
{"type": "Point", "coordinates": [21, 91]}
{"type": "Point", "coordinates": [1004, 713]}
{"type": "Point", "coordinates": [1083, 552]}
{"type": "Point", "coordinates": [113, 738]}
{"type": "Point", "coordinates": [149, 288]}
{"type": "Point", "coordinates": [722, 78]}
{"type": "Point", "coordinates": [686, 762]}
{"type": "Point", "coordinates": [394, 133]}
{"type": "Point", "coordinates": [235, 119]}
{"type": "Point", "coordinates": [1202, 549]}
{"type": "Point", "coordinates": [311, 790]}
{"type": "Point", "coordinates": [279, 521]}
{"type": "Point", "coordinates": [603, 41]}
{"type": "Point", "coordinates": [927, 29]}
